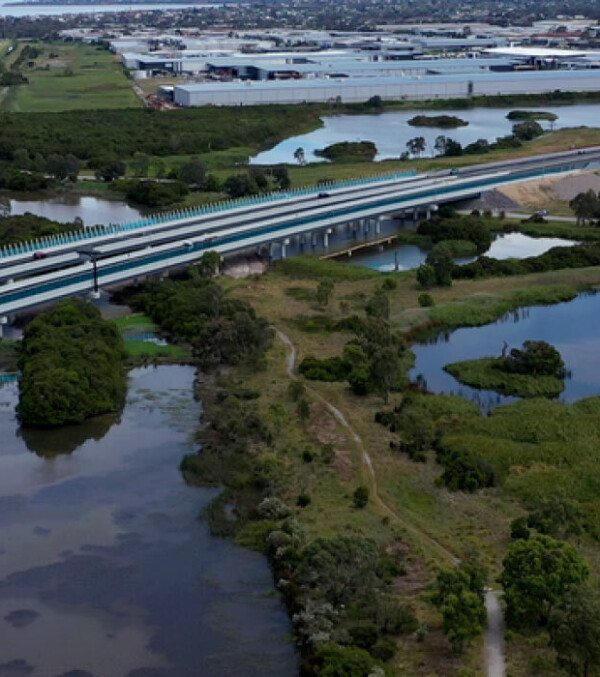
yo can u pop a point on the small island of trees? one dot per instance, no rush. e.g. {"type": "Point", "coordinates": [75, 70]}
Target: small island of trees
{"type": "Point", "coordinates": [441, 121]}
{"type": "Point", "coordinates": [349, 151]}
{"type": "Point", "coordinates": [536, 370]}
{"type": "Point", "coordinates": [531, 115]}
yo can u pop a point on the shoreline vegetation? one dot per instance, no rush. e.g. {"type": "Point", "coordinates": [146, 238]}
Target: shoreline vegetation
{"type": "Point", "coordinates": [487, 374]}
{"type": "Point", "coordinates": [296, 484]}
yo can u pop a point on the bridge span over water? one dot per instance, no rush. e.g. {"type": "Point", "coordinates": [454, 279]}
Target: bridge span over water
{"type": "Point", "coordinates": [99, 257]}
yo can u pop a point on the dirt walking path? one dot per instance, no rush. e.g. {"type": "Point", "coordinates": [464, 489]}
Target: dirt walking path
{"type": "Point", "coordinates": [494, 633]}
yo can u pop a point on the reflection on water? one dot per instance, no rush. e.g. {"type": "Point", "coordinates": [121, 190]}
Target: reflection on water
{"type": "Point", "coordinates": [391, 131]}
{"type": "Point", "coordinates": [65, 440]}
{"type": "Point", "coordinates": [105, 568]}
{"type": "Point", "coordinates": [573, 328]}
{"type": "Point", "coordinates": [65, 209]}
{"type": "Point", "coordinates": [409, 257]}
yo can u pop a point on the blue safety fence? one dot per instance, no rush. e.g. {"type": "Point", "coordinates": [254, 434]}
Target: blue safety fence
{"type": "Point", "coordinates": [129, 268]}
{"type": "Point", "coordinates": [80, 236]}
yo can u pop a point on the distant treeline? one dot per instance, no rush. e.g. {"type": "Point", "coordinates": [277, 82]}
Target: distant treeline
{"type": "Point", "coordinates": [95, 136]}
{"type": "Point", "coordinates": [72, 365]}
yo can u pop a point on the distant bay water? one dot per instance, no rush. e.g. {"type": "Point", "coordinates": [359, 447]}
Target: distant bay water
{"type": "Point", "coordinates": [29, 9]}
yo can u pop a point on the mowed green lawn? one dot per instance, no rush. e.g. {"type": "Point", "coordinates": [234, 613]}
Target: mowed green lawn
{"type": "Point", "coordinates": [71, 76]}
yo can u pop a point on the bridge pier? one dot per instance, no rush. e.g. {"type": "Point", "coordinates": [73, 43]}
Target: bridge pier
{"type": "Point", "coordinates": [3, 322]}
{"type": "Point", "coordinates": [284, 246]}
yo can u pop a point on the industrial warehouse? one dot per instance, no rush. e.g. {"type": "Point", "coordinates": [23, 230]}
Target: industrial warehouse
{"type": "Point", "coordinates": [414, 88]}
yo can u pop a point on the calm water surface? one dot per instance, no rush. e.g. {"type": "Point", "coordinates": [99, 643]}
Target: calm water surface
{"type": "Point", "coordinates": [391, 131]}
{"type": "Point", "coordinates": [52, 10]}
{"type": "Point", "coordinates": [105, 567]}
{"type": "Point", "coordinates": [65, 209]}
{"type": "Point", "coordinates": [573, 328]}
{"type": "Point", "coordinates": [505, 246]}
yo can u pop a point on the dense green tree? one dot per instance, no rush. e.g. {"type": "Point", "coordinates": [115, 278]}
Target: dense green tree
{"type": "Point", "coordinates": [416, 146]}
{"type": "Point", "coordinates": [210, 263]}
{"type": "Point", "coordinates": [574, 629]}
{"type": "Point", "coordinates": [340, 570]}
{"type": "Point", "coordinates": [586, 206]}
{"type": "Point", "coordinates": [426, 276]}
{"type": "Point", "coordinates": [441, 260]}
{"type": "Point", "coordinates": [111, 170]}
{"type": "Point", "coordinates": [239, 185]}
{"type": "Point", "coordinates": [281, 175]}
{"type": "Point", "coordinates": [459, 596]}
{"type": "Point", "coordinates": [536, 577]}
{"type": "Point", "coordinates": [63, 166]}
{"type": "Point", "coordinates": [192, 172]}
{"type": "Point", "coordinates": [72, 366]}
{"type": "Point", "coordinates": [537, 358]}
{"type": "Point", "coordinates": [343, 661]}
{"type": "Point", "coordinates": [386, 371]}
{"type": "Point", "coordinates": [527, 130]}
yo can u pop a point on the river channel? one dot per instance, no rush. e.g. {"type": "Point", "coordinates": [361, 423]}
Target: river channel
{"type": "Point", "coordinates": [106, 569]}
{"type": "Point", "coordinates": [390, 131]}
{"type": "Point", "coordinates": [573, 328]}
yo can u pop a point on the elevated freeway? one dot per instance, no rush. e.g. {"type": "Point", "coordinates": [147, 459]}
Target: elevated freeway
{"type": "Point", "coordinates": [116, 255]}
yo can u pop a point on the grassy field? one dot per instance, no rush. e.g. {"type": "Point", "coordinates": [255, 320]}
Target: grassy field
{"type": "Point", "coordinates": [71, 76]}
{"type": "Point", "coordinates": [539, 447]}
{"type": "Point", "coordinates": [141, 351]}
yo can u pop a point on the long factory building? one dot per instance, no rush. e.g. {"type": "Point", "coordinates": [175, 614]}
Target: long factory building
{"type": "Point", "coordinates": [356, 90]}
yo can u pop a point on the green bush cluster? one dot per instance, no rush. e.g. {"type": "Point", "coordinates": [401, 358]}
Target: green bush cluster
{"type": "Point", "coordinates": [72, 366]}
{"type": "Point", "coordinates": [455, 227]}
{"type": "Point", "coordinates": [221, 330]}
{"type": "Point", "coordinates": [16, 229]}
{"type": "Point", "coordinates": [152, 193]}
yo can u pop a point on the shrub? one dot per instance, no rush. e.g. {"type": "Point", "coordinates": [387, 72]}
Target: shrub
{"type": "Point", "coordinates": [360, 497]}
{"type": "Point", "coordinates": [303, 500]}
{"type": "Point", "coordinates": [426, 300]}
{"type": "Point", "coordinates": [389, 284]}
{"type": "Point", "coordinates": [426, 276]}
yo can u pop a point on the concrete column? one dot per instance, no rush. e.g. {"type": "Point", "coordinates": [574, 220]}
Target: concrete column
{"type": "Point", "coordinates": [95, 295]}
{"type": "Point", "coordinates": [284, 246]}
{"type": "Point", "coordinates": [313, 239]}
{"type": "Point", "coordinates": [378, 225]}
{"type": "Point", "coordinates": [3, 322]}
{"type": "Point", "coordinates": [326, 235]}
{"type": "Point", "coordinates": [415, 214]}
